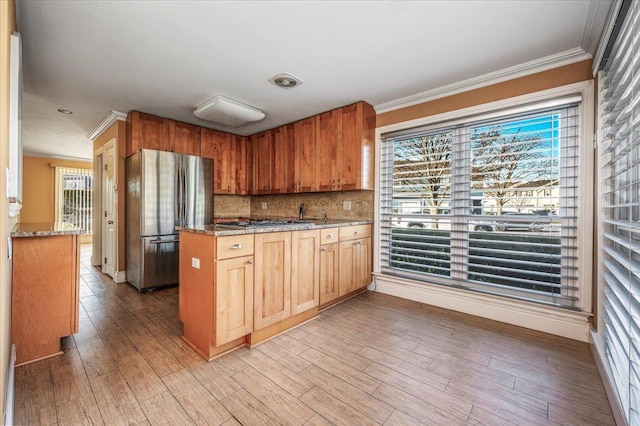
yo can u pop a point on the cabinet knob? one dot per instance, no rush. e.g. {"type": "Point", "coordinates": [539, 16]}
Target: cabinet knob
{"type": "Point", "coordinates": [229, 189]}
{"type": "Point", "coordinates": [236, 247]}
{"type": "Point", "coordinates": [250, 261]}
{"type": "Point", "coordinates": [323, 249]}
{"type": "Point", "coordinates": [356, 232]}
{"type": "Point", "coordinates": [329, 236]}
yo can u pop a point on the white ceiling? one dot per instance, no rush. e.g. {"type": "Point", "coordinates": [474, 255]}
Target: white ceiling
{"type": "Point", "coordinates": [167, 57]}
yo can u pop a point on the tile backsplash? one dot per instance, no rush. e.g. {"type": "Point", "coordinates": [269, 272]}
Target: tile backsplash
{"type": "Point", "coordinates": [287, 205]}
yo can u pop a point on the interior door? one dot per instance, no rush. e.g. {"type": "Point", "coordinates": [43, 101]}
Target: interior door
{"type": "Point", "coordinates": [109, 208]}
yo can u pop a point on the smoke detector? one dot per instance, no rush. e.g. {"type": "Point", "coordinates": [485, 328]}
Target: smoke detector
{"type": "Point", "coordinates": [286, 80]}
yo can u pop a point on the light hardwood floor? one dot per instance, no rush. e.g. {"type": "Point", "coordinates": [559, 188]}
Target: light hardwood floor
{"type": "Point", "coordinates": [374, 359]}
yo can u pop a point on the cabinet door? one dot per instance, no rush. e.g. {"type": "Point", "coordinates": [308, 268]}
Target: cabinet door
{"type": "Point", "coordinates": [350, 147]}
{"type": "Point", "coordinates": [305, 270]}
{"type": "Point", "coordinates": [251, 164]}
{"type": "Point", "coordinates": [356, 149]}
{"type": "Point", "coordinates": [184, 138]}
{"type": "Point", "coordinates": [233, 299]}
{"type": "Point", "coordinates": [263, 155]}
{"type": "Point", "coordinates": [363, 262]}
{"type": "Point", "coordinates": [239, 165]}
{"type": "Point", "coordinates": [145, 131]}
{"type": "Point", "coordinates": [217, 146]}
{"type": "Point", "coordinates": [281, 163]}
{"type": "Point", "coordinates": [305, 155]}
{"type": "Point", "coordinates": [289, 153]}
{"type": "Point", "coordinates": [329, 255]}
{"type": "Point", "coordinates": [328, 134]}
{"type": "Point", "coordinates": [347, 268]}
{"type": "Point", "coordinates": [272, 283]}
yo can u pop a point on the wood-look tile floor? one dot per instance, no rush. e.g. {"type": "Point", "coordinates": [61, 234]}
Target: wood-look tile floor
{"type": "Point", "coordinates": [374, 359]}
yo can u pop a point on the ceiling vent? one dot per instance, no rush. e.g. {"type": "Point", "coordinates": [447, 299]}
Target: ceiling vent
{"type": "Point", "coordinates": [286, 80]}
{"type": "Point", "coordinates": [228, 112]}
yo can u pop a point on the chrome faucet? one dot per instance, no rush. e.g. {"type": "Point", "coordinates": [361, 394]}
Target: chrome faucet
{"type": "Point", "coordinates": [301, 211]}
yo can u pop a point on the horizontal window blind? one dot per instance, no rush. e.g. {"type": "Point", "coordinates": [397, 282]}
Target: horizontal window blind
{"type": "Point", "coordinates": [619, 111]}
{"type": "Point", "coordinates": [487, 205]}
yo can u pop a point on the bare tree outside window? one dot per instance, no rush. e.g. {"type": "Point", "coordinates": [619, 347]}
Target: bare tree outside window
{"type": "Point", "coordinates": [504, 158]}
{"type": "Point", "coordinates": [422, 170]}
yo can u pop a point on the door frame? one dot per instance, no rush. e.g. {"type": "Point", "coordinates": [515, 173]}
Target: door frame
{"type": "Point", "coordinates": [99, 226]}
{"type": "Point", "coordinates": [106, 191]}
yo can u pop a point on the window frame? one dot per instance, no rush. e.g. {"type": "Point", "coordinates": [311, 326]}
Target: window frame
{"type": "Point", "coordinates": [523, 103]}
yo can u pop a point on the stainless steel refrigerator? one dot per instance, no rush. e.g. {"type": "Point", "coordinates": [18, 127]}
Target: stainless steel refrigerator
{"type": "Point", "coordinates": [163, 190]}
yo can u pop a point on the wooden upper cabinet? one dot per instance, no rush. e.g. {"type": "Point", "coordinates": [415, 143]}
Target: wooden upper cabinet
{"type": "Point", "coordinates": [356, 150]}
{"type": "Point", "coordinates": [263, 164]}
{"type": "Point", "coordinates": [250, 164]}
{"type": "Point", "coordinates": [239, 165]}
{"type": "Point", "coordinates": [328, 135]}
{"type": "Point", "coordinates": [217, 146]}
{"type": "Point", "coordinates": [281, 162]}
{"type": "Point", "coordinates": [145, 131]}
{"type": "Point", "coordinates": [184, 138]}
{"type": "Point", "coordinates": [304, 149]}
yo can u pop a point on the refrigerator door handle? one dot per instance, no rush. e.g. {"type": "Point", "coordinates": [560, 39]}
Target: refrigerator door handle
{"type": "Point", "coordinates": [164, 241]}
{"type": "Point", "coordinates": [180, 196]}
{"type": "Point", "coordinates": [184, 197]}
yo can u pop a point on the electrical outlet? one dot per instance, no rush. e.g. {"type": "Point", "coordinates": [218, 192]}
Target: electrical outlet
{"type": "Point", "coordinates": [346, 205]}
{"type": "Point", "coordinates": [195, 263]}
{"type": "Point", "coordinates": [264, 205]}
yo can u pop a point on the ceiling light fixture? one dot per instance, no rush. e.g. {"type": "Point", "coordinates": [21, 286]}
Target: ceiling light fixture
{"type": "Point", "coordinates": [286, 80]}
{"type": "Point", "coordinates": [228, 112]}
{"type": "Point", "coordinates": [64, 111]}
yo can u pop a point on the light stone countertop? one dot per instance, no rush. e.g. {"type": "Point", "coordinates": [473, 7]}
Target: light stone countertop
{"type": "Point", "coordinates": [225, 230]}
{"type": "Point", "coordinates": [43, 229]}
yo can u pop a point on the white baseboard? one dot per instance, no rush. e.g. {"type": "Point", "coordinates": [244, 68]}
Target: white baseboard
{"type": "Point", "coordinates": [119, 276]}
{"type": "Point", "coordinates": [557, 321]}
{"type": "Point", "coordinates": [597, 348]}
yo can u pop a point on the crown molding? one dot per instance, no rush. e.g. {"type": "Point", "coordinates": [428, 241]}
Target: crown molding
{"type": "Point", "coordinates": [543, 64]}
{"type": "Point", "coordinates": [597, 16]}
{"type": "Point", "coordinates": [106, 123]}
{"type": "Point", "coordinates": [610, 23]}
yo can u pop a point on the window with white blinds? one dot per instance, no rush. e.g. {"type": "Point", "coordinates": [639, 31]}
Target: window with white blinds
{"type": "Point", "coordinates": [74, 197]}
{"type": "Point", "coordinates": [487, 204]}
{"type": "Point", "coordinates": [619, 110]}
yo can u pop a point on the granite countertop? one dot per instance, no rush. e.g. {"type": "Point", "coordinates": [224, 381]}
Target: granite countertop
{"type": "Point", "coordinates": [225, 230]}
{"type": "Point", "coordinates": [43, 229]}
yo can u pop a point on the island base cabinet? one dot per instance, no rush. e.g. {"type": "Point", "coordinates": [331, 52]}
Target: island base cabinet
{"type": "Point", "coordinates": [272, 283]}
{"type": "Point", "coordinates": [45, 295]}
{"type": "Point", "coordinates": [234, 299]}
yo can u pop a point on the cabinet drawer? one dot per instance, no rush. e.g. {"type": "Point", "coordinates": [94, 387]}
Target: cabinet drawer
{"type": "Point", "coordinates": [355, 232]}
{"type": "Point", "coordinates": [234, 246]}
{"type": "Point", "coordinates": [328, 236]}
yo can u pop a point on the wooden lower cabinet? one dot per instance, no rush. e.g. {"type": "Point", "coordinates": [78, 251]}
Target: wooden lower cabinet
{"type": "Point", "coordinates": [305, 270]}
{"type": "Point", "coordinates": [45, 295]}
{"type": "Point", "coordinates": [329, 261]}
{"type": "Point", "coordinates": [355, 265]}
{"type": "Point", "coordinates": [233, 299]}
{"type": "Point", "coordinates": [244, 289]}
{"type": "Point", "coordinates": [272, 285]}
{"type": "Point", "coordinates": [216, 296]}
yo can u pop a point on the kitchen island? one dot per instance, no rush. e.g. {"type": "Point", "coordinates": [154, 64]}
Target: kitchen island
{"type": "Point", "coordinates": [45, 294]}
{"type": "Point", "coordinates": [243, 284]}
